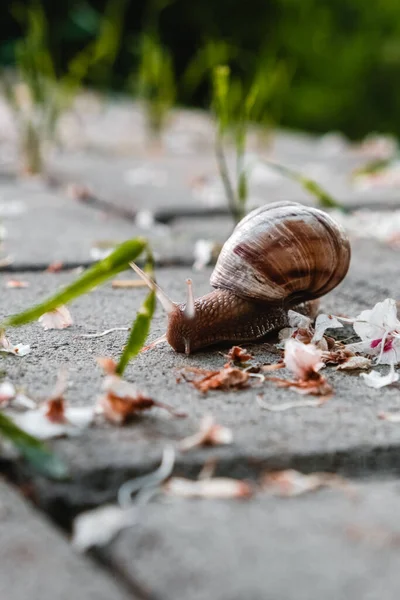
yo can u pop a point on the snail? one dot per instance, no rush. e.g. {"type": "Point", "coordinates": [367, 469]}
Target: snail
{"type": "Point", "coordinates": [281, 256]}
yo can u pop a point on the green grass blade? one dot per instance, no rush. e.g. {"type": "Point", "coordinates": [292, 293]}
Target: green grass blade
{"type": "Point", "coordinates": [309, 185]}
{"type": "Point", "coordinates": [139, 332]}
{"type": "Point", "coordinates": [33, 450]}
{"type": "Point", "coordinates": [116, 262]}
{"type": "Point", "coordinates": [374, 166]}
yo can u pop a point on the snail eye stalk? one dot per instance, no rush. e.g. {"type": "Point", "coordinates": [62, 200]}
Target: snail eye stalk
{"type": "Point", "coordinates": [190, 309]}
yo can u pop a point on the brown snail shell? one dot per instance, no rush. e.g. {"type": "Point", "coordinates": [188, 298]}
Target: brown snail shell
{"type": "Point", "coordinates": [283, 253]}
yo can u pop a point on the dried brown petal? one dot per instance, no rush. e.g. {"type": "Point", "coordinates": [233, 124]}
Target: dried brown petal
{"type": "Point", "coordinates": [316, 386]}
{"type": "Point", "coordinates": [118, 410]}
{"type": "Point", "coordinates": [55, 410]}
{"type": "Point", "coordinates": [107, 364]}
{"type": "Point", "coordinates": [238, 354]}
{"type": "Point", "coordinates": [226, 378]}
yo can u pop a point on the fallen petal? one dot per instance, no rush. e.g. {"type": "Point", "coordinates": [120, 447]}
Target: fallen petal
{"type": "Point", "coordinates": [210, 434]}
{"type": "Point", "coordinates": [322, 323]}
{"type": "Point", "coordinates": [99, 526]}
{"type": "Point", "coordinates": [238, 354]}
{"type": "Point", "coordinates": [293, 483]}
{"type": "Point", "coordinates": [7, 392]}
{"type": "Point", "coordinates": [18, 350]}
{"type": "Point", "coordinates": [393, 417]}
{"type": "Point", "coordinates": [60, 318]}
{"type": "Point", "coordinates": [15, 283]}
{"type": "Point", "coordinates": [216, 487]}
{"type": "Point", "coordinates": [377, 381]}
{"type": "Point", "coordinates": [355, 362]}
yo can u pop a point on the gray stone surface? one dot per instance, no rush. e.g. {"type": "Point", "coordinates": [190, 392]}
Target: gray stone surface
{"type": "Point", "coordinates": [37, 562]}
{"type": "Point", "coordinates": [44, 226]}
{"type": "Point", "coordinates": [187, 185]}
{"type": "Point", "coordinates": [322, 545]}
{"type": "Point", "coordinates": [344, 434]}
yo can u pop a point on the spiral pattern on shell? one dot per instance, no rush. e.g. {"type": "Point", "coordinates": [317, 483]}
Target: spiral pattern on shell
{"type": "Point", "coordinates": [283, 253]}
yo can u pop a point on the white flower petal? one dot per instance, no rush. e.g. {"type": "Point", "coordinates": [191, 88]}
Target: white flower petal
{"type": "Point", "coordinates": [391, 356]}
{"type": "Point", "coordinates": [322, 323]}
{"type": "Point", "coordinates": [7, 391]}
{"type": "Point", "coordinates": [98, 527]}
{"type": "Point", "coordinates": [60, 318]}
{"type": "Point", "coordinates": [376, 380]}
{"type": "Point", "coordinates": [18, 350]}
{"type": "Point", "coordinates": [300, 358]}
{"type": "Point", "coordinates": [37, 424]}
{"type": "Point", "coordinates": [297, 320]}
{"type": "Point", "coordinates": [373, 324]}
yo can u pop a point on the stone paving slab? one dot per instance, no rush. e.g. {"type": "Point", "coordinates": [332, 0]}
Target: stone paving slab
{"type": "Point", "coordinates": [345, 433]}
{"type": "Point", "coordinates": [322, 545]}
{"type": "Point", "coordinates": [44, 226]}
{"type": "Point", "coordinates": [37, 562]}
{"type": "Point", "coordinates": [171, 185]}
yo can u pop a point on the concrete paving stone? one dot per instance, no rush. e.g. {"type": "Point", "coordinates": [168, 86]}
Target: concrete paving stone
{"type": "Point", "coordinates": [345, 433]}
{"type": "Point", "coordinates": [169, 185]}
{"type": "Point", "coordinates": [321, 545]}
{"type": "Point", "coordinates": [43, 226]}
{"type": "Point", "coordinates": [37, 562]}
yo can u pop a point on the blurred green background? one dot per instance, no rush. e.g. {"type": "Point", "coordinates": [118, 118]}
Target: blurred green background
{"type": "Point", "coordinates": [340, 59]}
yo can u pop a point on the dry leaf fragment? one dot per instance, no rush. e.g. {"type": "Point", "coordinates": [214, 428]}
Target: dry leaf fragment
{"type": "Point", "coordinates": [293, 483]}
{"type": "Point", "coordinates": [238, 354]}
{"type": "Point", "coordinates": [209, 434]}
{"type": "Point", "coordinates": [227, 378]}
{"type": "Point", "coordinates": [59, 318]}
{"type": "Point", "coordinates": [216, 487]}
{"type": "Point", "coordinates": [16, 283]}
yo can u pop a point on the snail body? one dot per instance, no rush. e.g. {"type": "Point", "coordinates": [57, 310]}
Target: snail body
{"type": "Point", "coordinates": [281, 256]}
